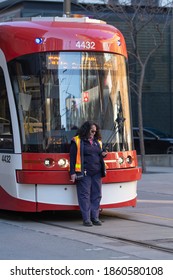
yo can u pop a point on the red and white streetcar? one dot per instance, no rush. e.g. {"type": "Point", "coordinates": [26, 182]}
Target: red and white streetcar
{"type": "Point", "coordinates": [54, 75]}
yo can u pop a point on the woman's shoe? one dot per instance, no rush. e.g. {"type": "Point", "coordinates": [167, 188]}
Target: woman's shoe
{"type": "Point", "coordinates": [97, 222]}
{"type": "Point", "coordinates": [87, 223]}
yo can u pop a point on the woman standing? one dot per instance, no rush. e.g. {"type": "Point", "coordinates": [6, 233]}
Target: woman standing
{"type": "Point", "coordinates": [86, 168]}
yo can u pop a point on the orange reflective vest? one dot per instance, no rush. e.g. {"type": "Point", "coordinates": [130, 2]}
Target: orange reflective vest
{"type": "Point", "coordinates": [78, 165]}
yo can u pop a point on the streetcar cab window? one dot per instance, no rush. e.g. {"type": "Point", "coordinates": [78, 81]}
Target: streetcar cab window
{"type": "Point", "coordinates": [6, 139]}
{"type": "Point", "coordinates": [56, 92]}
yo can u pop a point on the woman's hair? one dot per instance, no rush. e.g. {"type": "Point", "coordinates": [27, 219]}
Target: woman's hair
{"type": "Point", "coordinates": [84, 130]}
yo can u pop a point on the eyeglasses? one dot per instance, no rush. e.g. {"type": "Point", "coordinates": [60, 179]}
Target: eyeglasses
{"type": "Point", "coordinates": [93, 131]}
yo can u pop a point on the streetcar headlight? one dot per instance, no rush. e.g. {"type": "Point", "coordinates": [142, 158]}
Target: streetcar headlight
{"type": "Point", "coordinates": [38, 41]}
{"type": "Point", "coordinates": [129, 159]}
{"type": "Point", "coordinates": [62, 162]}
{"type": "Point", "coordinates": [120, 160]}
{"type": "Point", "coordinates": [48, 162]}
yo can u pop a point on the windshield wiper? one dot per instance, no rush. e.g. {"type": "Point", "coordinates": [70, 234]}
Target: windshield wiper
{"type": "Point", "coordinates": [117, 127]}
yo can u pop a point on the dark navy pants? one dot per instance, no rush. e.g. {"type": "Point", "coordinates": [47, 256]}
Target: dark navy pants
{"type": "Point", "coordinates": [89, 196]}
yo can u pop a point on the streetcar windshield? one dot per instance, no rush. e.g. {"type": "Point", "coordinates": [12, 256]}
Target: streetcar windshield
{"type": "Point", "coordinates": [56, 92]}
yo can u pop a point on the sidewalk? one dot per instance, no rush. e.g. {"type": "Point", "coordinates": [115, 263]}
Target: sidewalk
{"type": "Point", "coordinates": [159, 169]}
{"type": "Point", "coordinates": [157, 179]}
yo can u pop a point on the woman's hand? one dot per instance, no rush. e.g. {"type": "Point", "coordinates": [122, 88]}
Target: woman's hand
{"type": "Point", "coordinates": [104, 153]}
{"type": "Point", "coordinates": [73, 178]}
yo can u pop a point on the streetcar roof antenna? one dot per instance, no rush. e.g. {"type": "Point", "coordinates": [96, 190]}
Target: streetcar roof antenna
{"type": "Point", "coordinates": [66, 8]}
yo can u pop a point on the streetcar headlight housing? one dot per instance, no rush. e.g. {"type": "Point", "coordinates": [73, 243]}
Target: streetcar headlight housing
{"type": "Point", "coordinates": [38, 41]}
{"type": "Point", "coordinates": [62, 162]}
{"type": "Point", "coordinates": [120, 160]}
{"type": "Point", "coordinates": [49, 162]}
{"type": "Point", "coordinates": [129, 159]}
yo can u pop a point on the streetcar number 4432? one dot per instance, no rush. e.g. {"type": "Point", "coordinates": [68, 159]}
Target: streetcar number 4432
{"type": "Point", "coordinates": [6, 158]}
{"type": "Point", "coordinates": [85, 45]}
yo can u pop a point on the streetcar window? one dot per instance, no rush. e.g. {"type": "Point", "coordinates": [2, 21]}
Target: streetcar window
{"type": "Point", "coordinates": [6, 139]}
{"type": "Point", "coordinates": [56, 92]}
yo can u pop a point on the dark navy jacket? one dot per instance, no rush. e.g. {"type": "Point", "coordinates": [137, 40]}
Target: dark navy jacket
{"type": "Point", "coordinates": [91, 157]}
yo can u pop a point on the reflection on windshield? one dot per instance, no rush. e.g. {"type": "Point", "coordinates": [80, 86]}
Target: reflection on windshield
{"type": "Point", "coordinates": [56, 92]}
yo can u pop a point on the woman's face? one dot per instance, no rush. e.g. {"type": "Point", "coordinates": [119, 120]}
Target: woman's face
{"type": "Point", "coordinates": [93, 131]}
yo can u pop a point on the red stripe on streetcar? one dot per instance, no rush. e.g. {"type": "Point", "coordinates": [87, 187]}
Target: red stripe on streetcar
{"type": "Point", "coordinates": [15, 204]}
{"type": "Point", "coordinates": [63, 177]}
